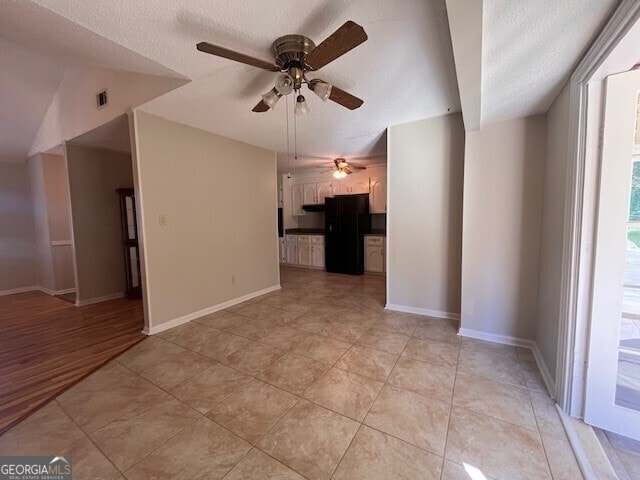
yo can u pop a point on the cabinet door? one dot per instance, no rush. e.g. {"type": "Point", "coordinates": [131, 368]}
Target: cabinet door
{"type": "Point", "coordinates": [283, 250]}
{"type": "Point", "coordinates": [304, 254]}
{"type": "Point", "coordinates": [374, 259]}
{"type": "Point", "coordinates": [359, 185]}
{"type": "Point", "coordinates": [323, 191]}
{"type": "Point", "coordinates": [309, 194]}
{"type": "Point", "coordinates": [378, 195]}
{"type": "Point", "coordinates": [291, 253]}
{"type": "Point", "coordinates": [340, 187]}
{"type": "Point", "coordinates": [297, 193]}
{"type": "Point", "coordinates": [317, 255]}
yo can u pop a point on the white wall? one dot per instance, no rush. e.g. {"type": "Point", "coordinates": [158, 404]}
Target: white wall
{"type": "Point", "coordinates": [56, 187]}
{"type": "Point", "coordinates": [503, 182]}
{"type": "Point", "coordinates": [424, 215]}
{"type": "Point", "coordinates": [52, 219]}
{"type": "Point", "coordinates": [18, 257]}
{"type": "Point", "coordinates": [44, 266]}
{"type": "Point", "coordinates": [551, 237]}
{"type": "Point", "coordinates": [219, 197]}
{"type": "Point", "coordinates": [94, 176]}
{"type": "Point", "coordinates": [73, 109]}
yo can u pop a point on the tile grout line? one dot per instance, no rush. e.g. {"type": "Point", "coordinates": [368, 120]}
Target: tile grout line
{"type": "Point", "coordinates": [87, 436]}
{"type": "Point", "coordinates": [368, 410]}
{"type": "Point", "coordinates": [535, 417]}
{"type": "Point", "coordinates": [453, 391]}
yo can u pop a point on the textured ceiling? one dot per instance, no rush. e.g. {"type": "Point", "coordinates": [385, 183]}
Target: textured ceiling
{"type": "Point", "coordinates": [41, 30]}
{"type": "Point", "coordinates": [529, 50]}
{"type": "Point", "coordinates": [29, 82]}
{"type": "Point", "coordinates": [113, 135]}
{"type": "Point", "coordinates": [36, 47]}
{"type": "Point", "coordinates": [404, 71]}
{"type": "Point", "coordinates": [314, 165]}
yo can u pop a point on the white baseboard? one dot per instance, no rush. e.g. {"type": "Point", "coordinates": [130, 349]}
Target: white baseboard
{"type": "Point", "coordinates": [13, 291]}
{"type": "Point", "coordinates": [53, 293]}
{"type": "Point", "coordinates": [65, 291]}
{"type": "Point", "coordinates": [33, 288]}
{"type": "Point", "coordinates": [422, 311]}
{"type": "Point", "coordinates": [206, 311]}
{"type": "Point", "coordinates": [516, 342]}
{"type": "Point", "coordinates": [91, 301]}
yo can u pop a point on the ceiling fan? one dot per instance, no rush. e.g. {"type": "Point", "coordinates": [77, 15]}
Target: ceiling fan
{"type": "Point", "coordinates": [342, 168]}
{"type": "Point", "coordinates": [295, 56]}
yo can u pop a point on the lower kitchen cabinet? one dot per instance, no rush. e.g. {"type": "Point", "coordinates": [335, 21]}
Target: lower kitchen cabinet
{"type": "Point", "coordinates": [291, 253]}
{"type": "Point", "coordinates": [282, 249]}
{"type": "Point", "coordinates": [374, 254]}
{"type": "Point", "coordinates": [317, 256]}
{"type": "Point", "coordinates": [304, 251]}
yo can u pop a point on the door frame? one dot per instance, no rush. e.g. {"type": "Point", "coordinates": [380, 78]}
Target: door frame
{"type": "Point", "coordinates": [581, 206]}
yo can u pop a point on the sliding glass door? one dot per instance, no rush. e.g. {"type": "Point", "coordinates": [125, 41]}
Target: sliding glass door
{"type": "Point", "coordinates": [613, 373]}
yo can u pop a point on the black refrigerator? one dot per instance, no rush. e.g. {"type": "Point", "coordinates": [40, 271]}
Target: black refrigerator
{"type": "Point", "coordinates": [346, 219]}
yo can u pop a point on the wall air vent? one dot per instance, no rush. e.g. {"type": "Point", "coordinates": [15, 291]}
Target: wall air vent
{"type": "Point", "coordinates": [101, 99]}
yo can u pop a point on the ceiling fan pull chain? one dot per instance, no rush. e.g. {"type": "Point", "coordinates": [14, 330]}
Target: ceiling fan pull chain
{"type": "Point", "coordinates": [286, 114]}
{"type": "Point", "coordinates": [295, 138]}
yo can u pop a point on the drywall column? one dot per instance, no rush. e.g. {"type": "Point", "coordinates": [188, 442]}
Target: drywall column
{"type": "Point", "coordinates": [217, 242]}
{"type": "Point", "coordinates": [44, 276]}
{"type": "Point", "coordinates": [424, 216]}
{"type": "Point", "coordinates": [94, 176]}
{"type": "Point", "coordinates": [503, 182]}
{"type": "Point", "coordinates": [56, 190]}
{"type": "Point", "coordinates": [18, 257]}
{"type": "Point", "coordinates": [552, 235]}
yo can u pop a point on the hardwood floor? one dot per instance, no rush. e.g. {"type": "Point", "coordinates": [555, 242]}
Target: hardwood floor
{"type": "Point", "coordinates": [47, 345]}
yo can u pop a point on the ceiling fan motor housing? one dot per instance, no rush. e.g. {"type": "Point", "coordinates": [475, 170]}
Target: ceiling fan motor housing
{"type": "Point", "coordinates": [291, 52]}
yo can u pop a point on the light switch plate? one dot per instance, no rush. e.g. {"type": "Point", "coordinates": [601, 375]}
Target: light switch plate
{"type": "Point", "coordinates": [164, 221]}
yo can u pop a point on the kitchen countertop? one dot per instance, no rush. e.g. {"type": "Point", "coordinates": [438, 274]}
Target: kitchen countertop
{"type": "Point", "coordinates": [320, 231]}
{"type": "Point", "coordinates": [304, 231]}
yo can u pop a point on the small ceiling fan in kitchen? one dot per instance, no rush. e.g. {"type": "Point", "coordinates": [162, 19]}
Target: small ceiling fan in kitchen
{"type": "Point", "coordinates": [341, 168]}
{"type": "Point", "coordinates": [295, 57]}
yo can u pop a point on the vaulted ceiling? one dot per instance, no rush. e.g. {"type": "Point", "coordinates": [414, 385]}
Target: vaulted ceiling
{"type": "Point", "coordinates": [406, 70]}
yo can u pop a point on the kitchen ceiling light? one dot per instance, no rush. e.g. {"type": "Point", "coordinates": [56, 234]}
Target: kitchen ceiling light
{"type": "Point", "coordinates": [271, 97]}
{"type": "Point", "coordinates": [322, 90]}
{"type": "Point", "coordinates": [284, 84]}
{"type": "Point", "coordinates": [301, 106]}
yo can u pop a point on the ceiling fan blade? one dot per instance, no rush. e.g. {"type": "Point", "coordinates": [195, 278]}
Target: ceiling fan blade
{"type": "Point", "coordinates": [357, 168]}
{"type": "Point", "coordinates": [345, 99]}
{"type": "Point", "coordinates": [260, 107]}
{"type": "Point", "coordinates": [236, 56]}
{"type": "Point", "coordinates": [346, 38]}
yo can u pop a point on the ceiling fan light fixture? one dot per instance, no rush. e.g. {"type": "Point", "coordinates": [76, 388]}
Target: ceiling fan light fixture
{"type": "Point", "coordinates": [284, 84]}
{"type": "Point", "coordinates": [301, 106]}
{"type": "Point", "coordinates": [339, 173]}
{"type": "Point", "coordinates": [271, 97]}
{"type": "Point", "coordinates": [322, 90]}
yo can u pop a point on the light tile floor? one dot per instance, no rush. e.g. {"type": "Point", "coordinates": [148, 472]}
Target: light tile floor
{"type": "Point", "coordinates": [314, 381]}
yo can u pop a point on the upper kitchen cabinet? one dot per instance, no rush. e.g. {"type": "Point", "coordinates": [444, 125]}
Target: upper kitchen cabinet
{"type": "Point", "coordinates": [378, 190]}
{"type": "Point", "coordinates": [310, 194]}
{"type": "Point", "coordinates": [340, 187]}
{"type": "Point", "coordinates": [358, 184]}
{"type": "Point", "coordinates": [297, 199]}
{"type": "Point", "coordinates": [323, 190]}
{"type": "Point", "coordinates": [352, 184]}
